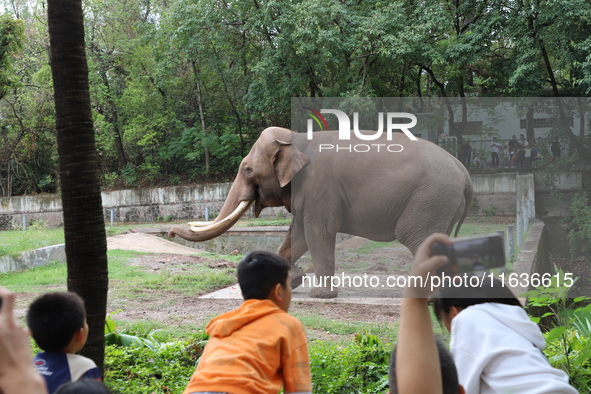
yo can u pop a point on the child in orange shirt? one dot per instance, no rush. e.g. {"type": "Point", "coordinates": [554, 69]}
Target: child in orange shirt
{"type": "Point", "coordinates": [257, 348]}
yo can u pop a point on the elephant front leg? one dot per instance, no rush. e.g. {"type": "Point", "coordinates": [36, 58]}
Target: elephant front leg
{"type": "Point", "coordinates": [293, 247]}
{"type": "Point", "coordinates": [322, 249]}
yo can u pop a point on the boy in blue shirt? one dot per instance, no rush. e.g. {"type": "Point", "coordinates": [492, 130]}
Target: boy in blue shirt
{"type": "Point", "coordinates": [58, 324]}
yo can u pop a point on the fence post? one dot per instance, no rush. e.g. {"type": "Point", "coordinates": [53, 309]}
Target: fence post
{"type": "Point", "coordinates": [510, 241]}
{"type": "Point", "coordinates": [502, 234]}
{"type": "Point", "coordinates": [112, 216]}
{"type": "Point", "coordinates": [24, 222]}
{"type": "Point", "coordinates": [519, 228]}
{"type": "Point", "coordinates": [207, 214]}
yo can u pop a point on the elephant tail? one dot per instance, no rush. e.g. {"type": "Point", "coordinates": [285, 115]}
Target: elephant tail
{"type": "Point", "coordinates": [468, 196]}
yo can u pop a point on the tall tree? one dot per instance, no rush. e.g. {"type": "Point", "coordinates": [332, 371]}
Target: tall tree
{"type": "Point", "coordinates": [84, 227]}
{"type": "Point", "coordinates": [11, 38]}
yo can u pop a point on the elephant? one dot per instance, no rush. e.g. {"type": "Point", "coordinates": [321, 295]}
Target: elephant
{"type": "Point", "coordinates": [402, 190]}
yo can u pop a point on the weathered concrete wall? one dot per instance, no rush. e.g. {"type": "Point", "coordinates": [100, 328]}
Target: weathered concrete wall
{"type": "Point", "coordinates": [498, 193]}
{"type": "Point", "coordinates": [567, 185]}
{"type": "Point", "coordinates": [33, 258]}
{"type": "Point", "coordinates": [492, 192]}
{"type": "Point", "coordinates": [532, 258]}
{"type": "Point", "coordinates": [525, 195]}
{"type": "Point", "coordinates": [135, 205]}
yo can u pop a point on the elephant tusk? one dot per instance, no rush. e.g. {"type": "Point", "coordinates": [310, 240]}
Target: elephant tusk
{"type": "Point", "coordinates": [200, 224]}
{"type": "Point", "coordinates": [242, 207]}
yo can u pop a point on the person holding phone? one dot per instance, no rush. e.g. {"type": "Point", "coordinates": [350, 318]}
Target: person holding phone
{"type": "Point", "coordinates": [496, 347]}
{"type": "Point", "coordinates": [17, 373]}
{"type": "Point", "coordinates": [416, 353]}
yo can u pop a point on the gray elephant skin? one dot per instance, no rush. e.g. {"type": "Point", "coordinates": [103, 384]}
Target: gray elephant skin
{"type": "Point", "coordinates": [406, 193]}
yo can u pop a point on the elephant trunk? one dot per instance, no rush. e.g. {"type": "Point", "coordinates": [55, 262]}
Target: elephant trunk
{"type": "Point", "coordinates": [216, 228]}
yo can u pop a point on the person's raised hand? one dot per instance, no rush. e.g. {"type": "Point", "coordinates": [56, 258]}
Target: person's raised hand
{"type": "Point", "coordinates": [17, 373]}
{"type": "Point", "coordinates": [425, 266]}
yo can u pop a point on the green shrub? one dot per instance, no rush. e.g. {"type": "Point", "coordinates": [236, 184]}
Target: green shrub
{"type": "Point", "coordinates": [490, 211]}
{"type": "Point", "coordinates": [360, 367]}
{"type": "Point", "coordinates": [580, 224]}
{"type": "Point", "coordinates": [138, 370]}
{"type": "Point", "coordinates": [568, 342]}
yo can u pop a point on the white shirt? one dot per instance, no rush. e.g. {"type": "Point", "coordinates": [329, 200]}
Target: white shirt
{"type": "Point", "coordinates": [497, 349]}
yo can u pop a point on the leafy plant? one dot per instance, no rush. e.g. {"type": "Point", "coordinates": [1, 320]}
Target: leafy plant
{"type": "Point", "coordinates": [361, 367]}
{"type": "Point", "coordinates": [140, 363]}
{"type": "Point", "coordinates": [568, 341]}
{"type": "Point", "coordinates": [131, 370]}
{"type": "Point", "coordinates": [114, 337]}
{"type": "Point", "coordinates": [580, 224]}
{"type": "Point", "coordinates": [38, 225]}
{"type": "Point", "coordinates": [490, 211]}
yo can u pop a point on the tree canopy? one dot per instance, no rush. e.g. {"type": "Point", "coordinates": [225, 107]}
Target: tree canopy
{"type": "Point", "coordinates": [181, 89]}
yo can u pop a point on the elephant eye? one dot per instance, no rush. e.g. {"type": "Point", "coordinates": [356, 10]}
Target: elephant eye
{"type": "Point", "coordinates": [248, 171]}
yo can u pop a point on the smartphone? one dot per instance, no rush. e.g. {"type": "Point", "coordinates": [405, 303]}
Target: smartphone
{"type": "Point", "coordinates": [472, 254]}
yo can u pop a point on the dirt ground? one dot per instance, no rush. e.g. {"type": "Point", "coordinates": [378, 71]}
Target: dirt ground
{"type": "Point", "coordinates": [354, 256]}
{"type": "Point", "coordinates": [177, 309]}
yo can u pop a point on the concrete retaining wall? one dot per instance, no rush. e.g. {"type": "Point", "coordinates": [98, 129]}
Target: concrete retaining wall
{"type": "Point", "coordinates": [497, 193]}
{"type": "Point", "coordinates": [533, 256]}
{"type": "Point", "coordinates": [493, 194]}
{"type": "Point", "coordinates": [33, 258]}
{"type": "Point", "coordinates": [135, 205]}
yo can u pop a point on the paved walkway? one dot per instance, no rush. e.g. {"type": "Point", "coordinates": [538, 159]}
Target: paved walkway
{"type": "Point", "coordinates": [140, 242]}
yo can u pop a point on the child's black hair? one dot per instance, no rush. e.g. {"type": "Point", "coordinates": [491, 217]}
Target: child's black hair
{"type": "Point", "coordinates": [54, 318]}
{"type": "Point", "coordinates": [259, 272]}
{"type": "Point", "coordinates": [465, 296]}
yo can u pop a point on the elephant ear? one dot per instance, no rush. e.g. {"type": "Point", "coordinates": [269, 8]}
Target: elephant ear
{"type": "Point", "coordinates": [288, 161]}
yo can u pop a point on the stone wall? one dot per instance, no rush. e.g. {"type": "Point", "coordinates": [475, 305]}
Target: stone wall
{"type": "Point", "coordinates": [493, 194]}
{"type": "Point", "coordinates": [497, 193]}
{"type": "Point", "coordinates": [33, 258]}
{"type": "Point", "coordinates": [134, 205]}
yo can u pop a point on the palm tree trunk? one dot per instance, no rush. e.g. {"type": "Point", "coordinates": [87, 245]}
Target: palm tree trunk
{"type": "Point", "coordinates": [84, 225]}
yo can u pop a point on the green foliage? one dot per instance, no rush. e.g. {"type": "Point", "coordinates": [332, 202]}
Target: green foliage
{"type": "Point", "coordinates": [568, 341]}
{"type": "Point", "coordinates": [580, 224]}
{"type": "Point", "coordinates": [177, 81]}
{"type": "Point", "coordinates": [490, 211]}
{"type": "Point", "coordinates": [17, 241]}
{"type": "Point", "coordinates": [165, 369]}
{"type": "Point", "coordinates": [269, 222]}
{"type": "Point", "coordinates": [11, 41]}
{"type": "Point", "coordinates": [142, 362]}
{"type": "Point", "coordinates": [359, 367]}
{"type": "Point", "coordinates": [120, 338]}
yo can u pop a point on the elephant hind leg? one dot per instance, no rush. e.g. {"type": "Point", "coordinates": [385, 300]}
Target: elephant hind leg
{"type": "Point", "coordinates": [416, 224]}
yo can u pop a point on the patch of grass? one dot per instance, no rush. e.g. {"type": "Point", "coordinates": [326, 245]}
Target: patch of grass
{"type": "Point", "coordinates": [386, 331]}
{"type": "Point", "coordinates": [201, 282]}
{"type": "Point", "coordinates": [14, 242]}
{"type": "Point", "coordinates": [126, 280]}
{"type": "Point", "coordinates": [369, 247]}
{"type": "Point", "coordinates": [268, 222]}
{"type": "Point", "coordinates": [473, 229]}
{"type": "Point", "coordinates": [35, 280]}
{"type": "Point", "coordinates": [195, 279]}
{"type": "Point", "coordinates": [228, 257]}
{"type": "Point", "coordinates": [344, 330]}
